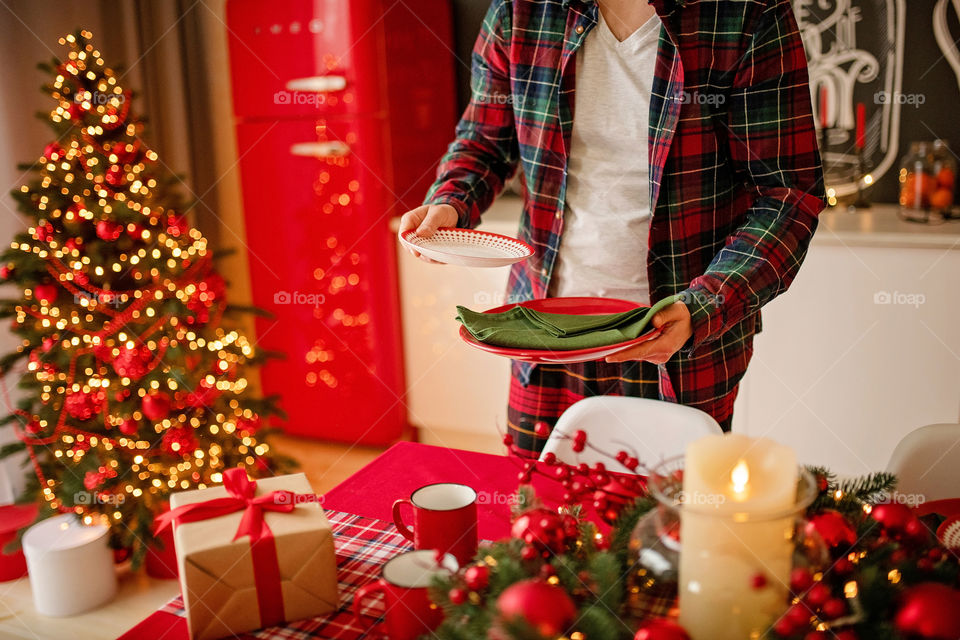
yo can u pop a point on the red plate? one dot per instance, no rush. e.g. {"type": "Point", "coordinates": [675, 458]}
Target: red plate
{"type": "Point", "coordinates": [579, 306]}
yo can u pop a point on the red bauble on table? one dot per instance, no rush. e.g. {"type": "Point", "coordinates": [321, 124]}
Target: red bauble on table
{"type": "Point", "coordinates": [835, 531]}
{"type": "Point", "coordinates": [458, 596]}
{"type": "Point", "coordinates": [929, 610]}
{"type": "Point", "coordinates": [661, 629]}
{"type": "Point", "coordinates": [156, 405]}
{"type": "Point", "coordinates": [545, 607]}
{"type": "Point", "coordinates": [892, 516]}
{"type": "Point", "coordinates": [542, 529]}
{"type": "Point", "coordinates": [477, 577]}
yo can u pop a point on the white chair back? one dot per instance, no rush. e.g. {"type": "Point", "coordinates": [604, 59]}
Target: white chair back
{"type": "Point", "coordinates": [927, 462]}
{"type": "Point", "coordinates": [651, 429]}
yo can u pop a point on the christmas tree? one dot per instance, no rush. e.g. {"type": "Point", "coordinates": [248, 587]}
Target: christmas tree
{"type": "Point", "coordinates": [132, 388]}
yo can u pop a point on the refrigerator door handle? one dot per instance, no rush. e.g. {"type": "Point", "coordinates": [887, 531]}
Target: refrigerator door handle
{"type": "Point", "coordinates": [317, 84]}
{"type": "Point", "coordinates": [331, 149]}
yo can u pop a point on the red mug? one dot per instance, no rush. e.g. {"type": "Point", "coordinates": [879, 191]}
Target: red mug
{"type": "Point", "coordinates": [408, 611]}
{"type": "Point", "coordinates": [444, 519]}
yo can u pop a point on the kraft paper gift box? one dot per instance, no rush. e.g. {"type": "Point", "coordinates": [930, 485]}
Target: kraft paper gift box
{"type": "Point", "coordinates": [217, 576]}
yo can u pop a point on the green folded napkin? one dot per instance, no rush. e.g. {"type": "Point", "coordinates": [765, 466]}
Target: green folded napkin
{"type": "Point", "coordinates": [523, 328]}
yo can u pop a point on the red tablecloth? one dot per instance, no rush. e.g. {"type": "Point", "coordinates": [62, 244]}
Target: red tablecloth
{"type": "Point", "coordinates": [371, 491]}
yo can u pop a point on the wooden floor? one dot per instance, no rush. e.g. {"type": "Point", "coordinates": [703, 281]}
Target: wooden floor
{"type": "Point", "coordinates": [326, 465]}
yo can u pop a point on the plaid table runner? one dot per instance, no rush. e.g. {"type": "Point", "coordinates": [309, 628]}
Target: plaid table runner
{"type": "Point", "coordinates": [363, 545]}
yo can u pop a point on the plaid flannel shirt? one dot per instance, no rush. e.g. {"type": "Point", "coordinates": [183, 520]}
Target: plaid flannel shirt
{"type": "Point", "coordinates": [736, 182]}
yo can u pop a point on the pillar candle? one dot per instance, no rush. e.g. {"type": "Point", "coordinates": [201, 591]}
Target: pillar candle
{"type": "Point", "coordinates": [734, 527]}
{"type": "Point", "coordinates": [70, 565]}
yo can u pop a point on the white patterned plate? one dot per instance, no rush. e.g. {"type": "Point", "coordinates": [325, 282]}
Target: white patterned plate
{"type": "Point", "coordinates": [468, 248]}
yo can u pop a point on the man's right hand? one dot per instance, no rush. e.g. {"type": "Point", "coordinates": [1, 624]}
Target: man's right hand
{"type": "Point", "coordinates": [426, 220]}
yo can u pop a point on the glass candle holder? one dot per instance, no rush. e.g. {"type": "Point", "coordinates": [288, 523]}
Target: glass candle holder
{"type": "Point", "coordinates": [725, 573]}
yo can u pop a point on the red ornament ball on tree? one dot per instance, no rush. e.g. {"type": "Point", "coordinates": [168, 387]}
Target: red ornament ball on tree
{"type": "Point", "coordinates": [82, 405]}
{"type": "Point", "coordinates": [108, 230]}
{"type": "Point", "coordinates": [156, 405]}
{"type": "Point", "coordinates": [545, 607]}
{"type": "Point", "coordinates": [133, 363]}
{"type": "Point", "coordinates": [929, 610]}
{"type": "Point", "coordinates": [114, 176]}
{"type": "Point", "coordinates": [834, 608]}
{"type": "Point", "coordinates": [179, 441]}
{"type": "Point", "coordinates": [250, 425]}
{"type": "Point", "coordinates": [177, 225]}
{"type": "Point", "coordinates": [800, 580]}
{"type": "Point", "coordinates": [817, 595]}
{"type": "Point", "coordinates": [46, 292]}
{"type": "Point", "coordinates": [208, 291]}
{"type": "Point", "coordinates": [129, 427]}
{"type": "Point", "coordinates": [661, 629]}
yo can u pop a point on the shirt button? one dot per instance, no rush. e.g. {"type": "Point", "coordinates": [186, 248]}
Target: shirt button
{"type": "Point", "coordinates": [559, 215]}
{"type": "Point", "coordinates": [543, 272]}
{"type": "Point", "coordinates": [580, 28]}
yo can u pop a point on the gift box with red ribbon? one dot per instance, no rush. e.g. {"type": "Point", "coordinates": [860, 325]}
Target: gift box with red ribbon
{"type": "Point", "coordinates": [252, 554]}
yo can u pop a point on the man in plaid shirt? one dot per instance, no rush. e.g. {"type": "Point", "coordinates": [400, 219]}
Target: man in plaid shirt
{"type": "Point", "coordinates": [733, 173]}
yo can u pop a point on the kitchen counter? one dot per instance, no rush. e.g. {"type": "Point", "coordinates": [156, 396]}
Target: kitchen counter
{"type": "Point", "coordinates": [880, 226]}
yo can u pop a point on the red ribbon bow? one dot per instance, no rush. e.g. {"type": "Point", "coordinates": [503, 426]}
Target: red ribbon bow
{"type": "Point", "coordinates": [263, 549]}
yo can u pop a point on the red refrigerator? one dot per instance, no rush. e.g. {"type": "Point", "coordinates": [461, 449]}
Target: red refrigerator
{"type": "Point", "coordinates": [343, 108]}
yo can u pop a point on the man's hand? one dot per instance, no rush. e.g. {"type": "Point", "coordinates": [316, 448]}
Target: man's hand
{"type": "Point", "coordinates": [675, 330]}
{"type": "Point", "coordinates": [426, 220]}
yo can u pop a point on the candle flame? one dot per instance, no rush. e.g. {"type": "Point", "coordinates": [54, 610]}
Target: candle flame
{"type": "Point", "coordinates": [740, 476]}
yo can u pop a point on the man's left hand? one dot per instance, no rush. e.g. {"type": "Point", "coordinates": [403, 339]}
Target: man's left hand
{"type": "Point", "coordinates": [675, 329]}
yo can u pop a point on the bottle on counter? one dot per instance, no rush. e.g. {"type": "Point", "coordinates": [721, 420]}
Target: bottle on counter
{"type": "Point", "coordinates": [945, 171]}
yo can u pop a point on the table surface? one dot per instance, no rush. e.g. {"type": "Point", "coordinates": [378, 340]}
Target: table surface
{"type": "Point", "coordinates": [396, 473]}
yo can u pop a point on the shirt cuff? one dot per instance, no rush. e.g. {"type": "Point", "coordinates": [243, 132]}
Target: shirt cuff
{"type": "Point", "coordinates": [706, 316]}
{"type": "Point", "coordinates": [463, 209]}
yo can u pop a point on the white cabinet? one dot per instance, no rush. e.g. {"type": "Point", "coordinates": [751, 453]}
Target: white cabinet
{"type": "Point", "coordinates": [864, 347]}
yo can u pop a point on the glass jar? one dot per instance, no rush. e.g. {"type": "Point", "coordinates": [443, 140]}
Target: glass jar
{"type": "Point", "coordinates": [920, 187]}
{"type": "Point", "coordinates": [739, 590]}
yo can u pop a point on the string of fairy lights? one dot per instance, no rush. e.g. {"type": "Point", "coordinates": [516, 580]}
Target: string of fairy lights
{"type": "Point", "coordinates": [117, 336]}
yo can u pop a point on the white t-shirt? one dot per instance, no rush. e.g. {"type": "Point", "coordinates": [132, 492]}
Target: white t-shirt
{"type": "Point", "coordinates": [603, 247]}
